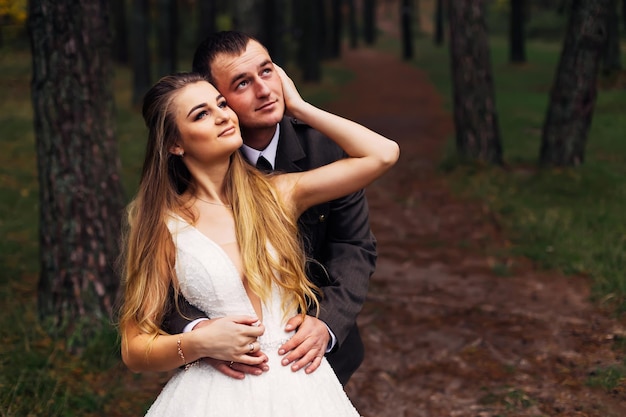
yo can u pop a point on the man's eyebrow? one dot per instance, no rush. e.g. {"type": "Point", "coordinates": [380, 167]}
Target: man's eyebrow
{"type": "Point", "coordinates": [241, 75]}
{"type": "Point", "coordinates": [194, 108]}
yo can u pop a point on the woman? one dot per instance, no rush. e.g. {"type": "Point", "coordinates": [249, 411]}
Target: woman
{"type": "Point", "coordinates": [207, 224]}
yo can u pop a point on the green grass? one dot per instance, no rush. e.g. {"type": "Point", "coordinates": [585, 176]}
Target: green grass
{"type": "Point", "coordinates": [572, 220]}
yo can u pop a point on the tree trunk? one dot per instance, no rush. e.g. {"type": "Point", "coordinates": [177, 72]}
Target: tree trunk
{"type": "Point", "coordinates": [612, 57]}
{"type": "Point", "coordinates": [167, 35]}
{"type": "Point", "coordinates": [406, 18]}
{"type": "Point", "coordinates": [273, 28]}
{"type": "Point", "coordinates": [307, 18]}
{"type": "Point", "coordinates": [475, 117]}
{"type": "Point", "coordinates": [207, 18]}
{"type": "Point", "coordinates": [120, 43]}
{"type": "Point", "coordinates": [439, 23]}
{"type": "Point", "coordinates": [369, 21]}
{"type": "Point", "coordinates": [516, 32]}
{"type": "Point", "coordinates": [336, 29]}
{"type": "Point", "coordinates": [140, 57]}
{"type": "Point", "coordinates": [574, 91]}
{"type": "Point", "coordinates": [77, 159]}
{"type": "Point", "coordinates": [353, 25]}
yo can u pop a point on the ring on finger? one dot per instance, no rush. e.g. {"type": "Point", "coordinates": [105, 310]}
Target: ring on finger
{"type": "Point", "coordinates": [251, 347]}
{"type": "Point", "coordinates": [230, 365]}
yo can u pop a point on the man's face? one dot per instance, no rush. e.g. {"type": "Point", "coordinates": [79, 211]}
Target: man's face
{"type": "Point", "coordinates": [251, 86]}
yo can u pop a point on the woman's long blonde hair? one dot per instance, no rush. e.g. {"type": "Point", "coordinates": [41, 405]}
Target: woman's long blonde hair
{"type": "Point", "coordinates": [260, 218]}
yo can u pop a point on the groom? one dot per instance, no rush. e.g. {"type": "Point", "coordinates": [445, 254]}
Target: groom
{"type": "Point", "coordinates": [336, 234]}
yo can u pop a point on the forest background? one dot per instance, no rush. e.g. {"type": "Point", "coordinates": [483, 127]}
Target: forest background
{"type": "Point", "coordinates": [567, 217]}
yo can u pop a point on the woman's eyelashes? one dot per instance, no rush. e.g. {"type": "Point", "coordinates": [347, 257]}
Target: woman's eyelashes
{"type": "Point", "coordinates": [201, 114]}
{"type": "Point", "coordinates": [222, 104]}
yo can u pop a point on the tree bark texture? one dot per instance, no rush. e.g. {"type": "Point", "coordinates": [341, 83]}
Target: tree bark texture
{"type": "Point", "coordinates": [475, 117]}
{"type": "Point", "coordinates": [120, 46]}
{"type": "Point", "coordinates": [369, 21]}
{"type": "Point", "coordinates": [309, 47]}
{"type": "Point", "coordinates": [336, 28]}
{"type": "Point", "coordinates": [439, 22]}
{"type": "Point", "coordinates": [353, 26]}
{"type": "Point", "coordinates": [80, 192]}
{"type": "Point", "coordinates": [406, 19]}
{"type": "Point", "coordinates": [140, 49]}
{"type": "Point", "coordinates": [516, 32]}
{"type": "Point", "coordinates": [207, 19]}
{"type": "Point", "coordinates": [612, 60]}
{"type": "Point", "coordinates": [167, 35]}
{"type": "Point", "coordinates": [574, 90]}
{"type": "Point", "coordinates": [273, 29]}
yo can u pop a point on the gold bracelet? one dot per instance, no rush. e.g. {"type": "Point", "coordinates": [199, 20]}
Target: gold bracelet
{"type": "Point", "coordinates": [179, 347]}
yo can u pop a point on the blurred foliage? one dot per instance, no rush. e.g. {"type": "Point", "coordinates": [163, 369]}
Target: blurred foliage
{"type": "Point", "coordinates": [13, 11]}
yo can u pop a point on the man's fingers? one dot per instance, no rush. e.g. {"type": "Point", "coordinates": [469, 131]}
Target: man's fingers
{"type": "Point", "coordinates": [314, 365]}
{"type": "Point", "coordinates": [293, 323]}
{"type": "Point", "coordinates": [247, 369]}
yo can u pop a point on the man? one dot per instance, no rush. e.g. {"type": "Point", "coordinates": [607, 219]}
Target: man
{"type": "Point", "coordinates": [337, 234]}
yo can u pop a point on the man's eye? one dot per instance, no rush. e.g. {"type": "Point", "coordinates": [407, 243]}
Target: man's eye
{"type": "Point", "coordinates": [242, 84]}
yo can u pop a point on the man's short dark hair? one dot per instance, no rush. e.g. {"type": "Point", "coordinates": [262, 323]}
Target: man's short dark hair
{"type": "Point", "coordinates": [230, 42]}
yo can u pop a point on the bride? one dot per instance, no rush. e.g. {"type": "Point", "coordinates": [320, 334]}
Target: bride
{"type": "Point", "coordinates": [207, 225]}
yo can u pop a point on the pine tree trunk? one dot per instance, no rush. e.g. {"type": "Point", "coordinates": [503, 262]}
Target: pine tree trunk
{"type": "Point", "coordinates": [353, 26]}
{"type": "Point", "coordinates": [516, 34]}
{"type": "Point", "coordinates": [439, 22]}
{"type": "Point", "coordinates": [120, 45]}
{"type": "Point", "coordinates": [167, 35]}
{"type": "Point", "coordinates": [612, 61]}
{"type": "Point", "coordinates": [574, 91]}
{"type": "Point", "coordinates": [475, 117]}
{"type": "Point", "coordinates": [310, 50]}
{"type": "Point", "coordinates": [140, 49]}
{"type": "Point", "coordinates": [406, 19]}
{"type": "Point", "coordinates": [369, 21]}
{"type": "Point", "coordinates": [77, 159]}
{"type": "Point", "coordinates": [207, 18]}
{"type": "Point", "coordinates": [336, 29]}
{"type": "Point", "coordinates": [273, 29]}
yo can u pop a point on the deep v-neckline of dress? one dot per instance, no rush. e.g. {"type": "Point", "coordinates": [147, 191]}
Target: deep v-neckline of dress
{"type": "Point", "coordinates": [229, 261]}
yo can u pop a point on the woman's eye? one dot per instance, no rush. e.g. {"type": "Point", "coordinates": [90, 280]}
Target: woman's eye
{"type": "Point", "coordinates": [222, 104]}
{"type": "Point", "coordinates": [202, 115]}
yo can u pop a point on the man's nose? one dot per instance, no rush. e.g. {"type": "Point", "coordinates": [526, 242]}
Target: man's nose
{"type": "Point", "coordinates": [262, 89]}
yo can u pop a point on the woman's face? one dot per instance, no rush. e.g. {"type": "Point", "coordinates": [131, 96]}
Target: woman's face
{"type": "Point", "coordinates": [208, 128]}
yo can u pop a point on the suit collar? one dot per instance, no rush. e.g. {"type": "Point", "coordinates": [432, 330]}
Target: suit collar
{"type": "Point", "coordinates": [290, 151]}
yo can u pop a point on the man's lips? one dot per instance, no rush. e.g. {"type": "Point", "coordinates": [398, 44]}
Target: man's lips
{"type": "Point", "coordinates": [266, 105]}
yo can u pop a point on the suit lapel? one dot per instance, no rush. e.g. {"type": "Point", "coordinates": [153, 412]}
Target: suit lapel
{"type": "Point", "coordinates": [289, 152]}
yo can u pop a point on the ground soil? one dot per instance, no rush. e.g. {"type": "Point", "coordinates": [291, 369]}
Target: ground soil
{"type": "Point", "coordinates": [445, 335]}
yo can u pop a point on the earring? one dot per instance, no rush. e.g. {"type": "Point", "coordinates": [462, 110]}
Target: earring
{"type": "Point", "coordinates": [181, 153]}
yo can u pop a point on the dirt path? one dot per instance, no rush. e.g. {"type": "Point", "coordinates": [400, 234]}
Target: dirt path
{"type": "Point", "coordinates": [444, 335]}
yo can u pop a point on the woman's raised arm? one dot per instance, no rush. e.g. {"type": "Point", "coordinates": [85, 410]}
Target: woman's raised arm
{"type": "Point", "coordinates": [370, 154]}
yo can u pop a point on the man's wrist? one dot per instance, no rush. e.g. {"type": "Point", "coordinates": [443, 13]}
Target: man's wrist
{"type": "Point", "coordinates": [332, 341]}
{"type": "Point", "coordinates": [189, 327]}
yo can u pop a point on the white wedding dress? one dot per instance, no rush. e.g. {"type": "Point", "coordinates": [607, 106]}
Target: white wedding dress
{"type": "Point", "coordinates": [210, 281]}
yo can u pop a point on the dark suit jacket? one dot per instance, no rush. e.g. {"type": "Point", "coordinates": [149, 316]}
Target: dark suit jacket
{"type": "Point", "coordinates": [337, 234]}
